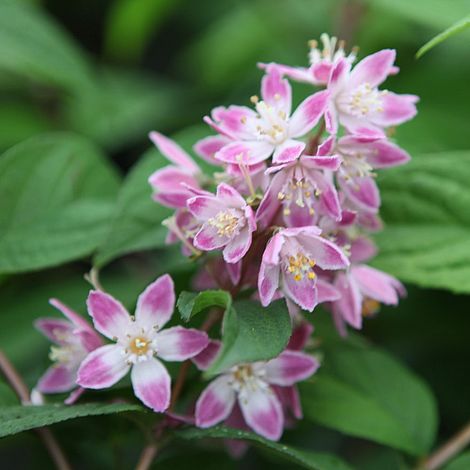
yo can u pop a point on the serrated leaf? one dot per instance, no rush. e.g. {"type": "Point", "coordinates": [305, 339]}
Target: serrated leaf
{"type": "Point", "coordinates": [456, 28]}
{"type": "Point", "coordinates": [252, 333]}
{"type": "Point", "coordinates": [15, 419]}
{"type": "Point", "coordinates": [364, 392]}
{"type": "Point", "coordinates": [426, 239]}
{"type": "Point", "coordinates": [56, 196]}
{"type": "Point", "coordinates": [304, 458]}
{"type": "Point", "coordinates": [190, 304]}
{"type": "Point", "coordinates": [34, 47]}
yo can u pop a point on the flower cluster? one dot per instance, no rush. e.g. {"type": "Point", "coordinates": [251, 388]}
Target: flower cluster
{"type": "Point", "coordinates": [287, 214]}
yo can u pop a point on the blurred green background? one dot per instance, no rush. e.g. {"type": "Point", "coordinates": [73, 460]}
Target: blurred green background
{"type": "Point", "coordinates": [111, 71]}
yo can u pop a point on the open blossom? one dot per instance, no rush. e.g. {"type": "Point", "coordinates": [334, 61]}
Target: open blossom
{"type": "Point", "coordinates": [172, 185]}
{"type": "Point", "coordinates": [321, 61]}
{"type": "Point", "coordinates": [362, 291]}
{"type": "Point", "coordinates": [358, 104]}
{"type": "Point", "coordinates": [252, 387]}
{"type": "Point", "coordinates": [227, 221]}
{"type": "Point", "coordinates": [302, 189]}
{"type": "Point", "coordinates": [73, 339]}
{"type": "Point", "coordinates": [271, 130]}
{"type": "Point", "coordinates": [360, 157]}
{"type": "Point", "coordinates": [289, 263]}
{"type": "Point", "coordinates": [140, 343]}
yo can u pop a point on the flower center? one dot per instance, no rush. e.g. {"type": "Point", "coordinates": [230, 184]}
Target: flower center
{"type": "Point", "coordinates": [300, 266]}
{"type": "Point", "coordinates": [139, 346]}
{"type": "Point", "coordinates": [370, 307]}
{"type": "Point", "coordinates": [64, 354]}
{"type": "Point", "coordinates": [363, 100]}
{"type": "Point", "coordinates": [226, 222]}
{"type": "Point", "coordinates": [271, 124]}
{"type": "Point", "coordinates": [355, 166]}
{"type": "Point", "coordinates": [247, 378]}
{"type": "Point", "coordinates": [299, 191]}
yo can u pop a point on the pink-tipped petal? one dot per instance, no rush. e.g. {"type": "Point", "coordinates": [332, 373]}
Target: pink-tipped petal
{"type": "Point", "coordinates": [152, 384]}
{"type": "Point", "coordinates": [109, 316]}
{"type": "Point", "coordinates": [263, 413]}
{"type": "Point", "coordinates": [208, 239]}
{"type": "Point", "coordinates": [179, 344]}
{"type": "Point", "coordinates": [207, 356]}
{"type": "Point", "coordinates": [55, 329]}
{"type": "Point", "coordinates": [276, 91]}
{"type": "Point", "coordinates": [397, 109]}
{"type": "Point", "coordinates": [331, 119]}
{"type": "Point", "coordinates": [209, 146]}
{"type": "Point", "coordinates": [386, 155]}
{"type": "Point", "coordinates": [290, 367]}
{"type": "Point", "coordinates": [290, 400]}
{"type": "Point", "coordinates": [330, 162]}
{"type": "Point", "coordinates": [215, 403]}
{"type": "Point", "coordinates": [74, 317]}
{"type": "Point", "coordinates": [377, 284]}
{"type": "Point", "coordinates": [288, 151]}
{"type": "Point", "coordinates": [204, 207]}
{"type": "Point", "coordinates": [326, 292]}
{"type": "Point", "coordinates": [231, 121]}
{"type": "Point", "coordinates": [57, 379]}
{"type": "Point", "coordinates": [230, 196]}
{"type": "Point", "coordinates": [248, 153]}
{"type": "Point", "coordinates": [268, 282]}
{"type": "Point", "coordinates": [373, 69]}
{"type": "Point", "coordinates": [326, 147]}
{"type": "Point", "coordinates": [339, 74]}
{"type": "Point", "coordinates": [303, 292]}
{"type": "Point", "coordinates": [363, 192]}
{"type": "Point", "coordinates": [238, 246]}
{"type": "Point", "coordinates": [308, 113]}
{"type": "Point", "coordinates": [327, 254]}
{"type": "Point", "coordinates": [103, 367]}
{"type": "Point", "coordinates": [349, 306]}
{"type": "Point", "coordinates": [74, 396]}
{"type": "Point", "coordinates": [173, 152]}
{"type": "Point", "coordinates": [362, 249]}
{"type": "Point", "coordinates": [155, 305]}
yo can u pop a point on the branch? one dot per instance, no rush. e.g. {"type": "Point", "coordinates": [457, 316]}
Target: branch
{"type": "Point", "coordinates": [45, 434]}
{"type": "Point", "coordinates": [448, 450]}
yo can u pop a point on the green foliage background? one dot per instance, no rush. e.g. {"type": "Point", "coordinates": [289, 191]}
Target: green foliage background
{"type": "Point", "coordinates": [81, 85]}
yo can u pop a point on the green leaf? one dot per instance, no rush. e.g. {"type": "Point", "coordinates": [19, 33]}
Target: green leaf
{"type": "Point", "coordinates": [15, 419]}
{"type": "Point", "coordinates": [190, 304]}
{"type": "Point", "coordinates": [56, 195]}
{"type": "Point", "coordinates": [426, 239]}
{"type": "Point", "coordinates": [252, 333]}
{"type": "Point", "coordinates": [456, 28]}
{"type": "Point", "coordinates": [136, 223]}
{"type": "Point", "coordinates": [34, 47]}
{"type": "Point", "coordinates": [130, 24]}
{"type": "Point", "coordinates": [121, 107]}
{"type": "Point", "coordinates": [462, 462]}
{"type": "Point", "coordinates": [303, 458]}
{"type": "Point", "coordinates": [364, 392]}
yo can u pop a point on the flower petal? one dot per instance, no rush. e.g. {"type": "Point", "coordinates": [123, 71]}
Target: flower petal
{"type": "Point", "coordinates": [171, 150]}
{"type": "Point", "coordinates": [327, 254]}
{"type": "Point", "coordinates": [249, 152]}
{"type": "Point", "coordinates": [290, 367]}
{"type": "Point", "coordinates": [290, 400]}
{"type": "Point", "coordinates": [204, 207]}
{"type": "Point", "coordinates": [373, 69]}
{"type": "Point", "coordinates": [230, 196]}
{"type": "Point", "coordinates": [300, 336]}
{"type": "Point", "coordinates": [74, 317]}
{"type": "Point", "coordinates": [276, 91]}
{"type": "Point", "coordinates": [263, 412]}
{"type": "Point", "coordinates": [55, 329]}
{"type": "Point", "coordinates": [208, 239]}
{"type": "Point", "coordinates": [155, 305]}
{"type": "Point", "coordinates": [152, 384]}
{"type": "Point", "coordinates": [349, 305]}
{"type": "Point", "coordinates": [109, 316]}
{"type": "Point", "coordinates": [288, 151]}
{"type": "Point", "coordinates": [238, 246]}
{"type": "Point", "coordinates": [326, 292]}
{"type": "Point", "coordinates": [179, 344]}
{"type": "Point", "coordinates": [397, 109]}
{"type": "Point", "coordinates": [206, 357]}
{"type": "Point", "coordinates": [385, 154]}
{"type": "Point", "coordinates": [362, 192]}
{"type": "Point", "coordinates": [308, 113]}
{"type": "Point", "coordinates": [303, 292]}
{"type": "Point", "coordinates": [57, 379]}
{"type": "Point", "coordinates": [215, 403]}
{"type": "Point", "coordinates": [103, 367]}
{"type": "Point", "coordinates": [206, 148]}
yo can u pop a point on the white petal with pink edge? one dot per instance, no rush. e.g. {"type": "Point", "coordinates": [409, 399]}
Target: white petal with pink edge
{"type": "Point", "coordinates": [290, 367]}
{"type": "Point", "coordinates": [179, 344]}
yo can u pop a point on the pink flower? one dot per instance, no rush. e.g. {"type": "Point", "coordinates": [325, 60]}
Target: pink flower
{"type": "Point", "coordinates": [227, 221]}
{"type": "Point", "coordinates": [73, 339]}
{"type": "Point", "coordinates": [140, 343]}
{"type": "Point", "coordinates": [302, 189]}
{"type": "Point", "coordinates": [360, 156]}
{"type": "Point", "coordinates": [362, 290]}
{"type": "Point", "coordinates": [172, 184]}
{"type": "Point", "coordinates": [321, 62]}
{"type": "Point", "coordinates": [358, 104]}
{"type": "Point", "coordinates": [271, 129]}
{"type": "Point", "coordinates": [289, 263]}
{"type": "Point", "coordinates": [251, 388]}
